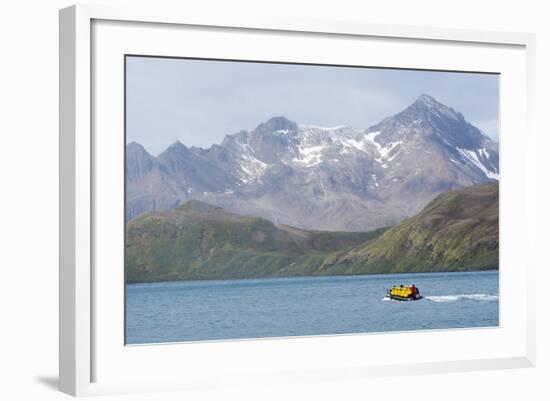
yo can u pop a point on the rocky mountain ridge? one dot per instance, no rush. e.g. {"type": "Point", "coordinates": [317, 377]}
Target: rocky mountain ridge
{"type": "Point", "coordinates": [337, 178]}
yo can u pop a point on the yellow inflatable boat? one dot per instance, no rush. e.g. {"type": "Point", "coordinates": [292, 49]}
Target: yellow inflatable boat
{"type": "Point", "coordinates": [404, 293]}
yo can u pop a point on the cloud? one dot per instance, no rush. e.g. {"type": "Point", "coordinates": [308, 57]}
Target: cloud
{"type": "Point", "coordinates": [199, 102]}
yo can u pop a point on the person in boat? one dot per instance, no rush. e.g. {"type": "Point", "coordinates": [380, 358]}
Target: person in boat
{"type": "Point", "coordinates": [415, 290]}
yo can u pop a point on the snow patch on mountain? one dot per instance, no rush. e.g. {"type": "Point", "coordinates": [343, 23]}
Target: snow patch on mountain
{"type": "Point", "coordinates": [383, 151]}
{"type": "Point", "coordinates": [473, 157]}
{"type": "Point", "coordinates": [310, 156]}
{"type": "Point", "coordinates": [386, 150]}
{"type": "Point", "coordinates": [351, 143]}
{"type": "Point", "coordinates": [371, 136]}
{"type": "Point", "coordinates": [252, 169]}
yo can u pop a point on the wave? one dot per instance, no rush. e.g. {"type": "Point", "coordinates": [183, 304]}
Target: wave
{"type": "Point", "coordinates": [453, 298]}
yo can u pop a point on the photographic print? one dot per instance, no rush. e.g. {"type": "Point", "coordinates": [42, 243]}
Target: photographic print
{"type": "Point", "coordinates": [267, 199]}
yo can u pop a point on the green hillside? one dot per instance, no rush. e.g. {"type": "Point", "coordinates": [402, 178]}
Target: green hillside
{"type": "Point", "coordinates": [457, 231]}
{"type": "Point", "coordinates": [200, 241]}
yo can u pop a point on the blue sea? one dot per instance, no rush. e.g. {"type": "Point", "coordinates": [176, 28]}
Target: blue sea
{"type": "Point", "coordinates": [305, 306]}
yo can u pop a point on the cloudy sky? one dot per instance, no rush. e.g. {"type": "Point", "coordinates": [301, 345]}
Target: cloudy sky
{"type": "Point", "coordinates": [198, 102]}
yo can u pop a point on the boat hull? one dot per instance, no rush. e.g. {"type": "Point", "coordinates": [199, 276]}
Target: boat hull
{"type": "Point", "coordinates": [398, 298]}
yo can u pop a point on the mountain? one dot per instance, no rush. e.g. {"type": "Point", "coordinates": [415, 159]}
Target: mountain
{"type": "Point", "coordinates": [457, 231]}
{"type": "Point", "coordinates": [338, 178]}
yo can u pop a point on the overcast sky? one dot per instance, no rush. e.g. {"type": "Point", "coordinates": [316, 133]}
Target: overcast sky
{"type": "Point", "coordinates": [198, 102]}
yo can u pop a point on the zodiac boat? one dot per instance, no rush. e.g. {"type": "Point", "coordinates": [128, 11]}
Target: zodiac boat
{"type": "Point", "coordinates": [404, 293]}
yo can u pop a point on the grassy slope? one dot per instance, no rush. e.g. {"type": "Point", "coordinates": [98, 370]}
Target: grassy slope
{"type": "Point", "coordinates": [199, 241]}
{"type": "Point", "coordinates": [458, 230]}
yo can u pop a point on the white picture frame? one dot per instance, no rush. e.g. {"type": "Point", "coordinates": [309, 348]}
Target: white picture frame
{"type": "Point", "coordinates": [84, 352]}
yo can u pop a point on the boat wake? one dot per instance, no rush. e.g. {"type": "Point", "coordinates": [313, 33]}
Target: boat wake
{"type": "Point", "coordinates": [454, 298]}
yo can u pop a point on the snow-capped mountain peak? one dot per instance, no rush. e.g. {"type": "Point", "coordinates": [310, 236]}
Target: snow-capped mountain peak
{"type": "Point", "coordinates": [276, 124]}
{"type": "Point", "coordinates": [337, 178]}
{"type": "Point", "coordinates": [426, 103]}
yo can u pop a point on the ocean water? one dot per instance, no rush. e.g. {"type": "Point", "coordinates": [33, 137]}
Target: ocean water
{"type": "Point", "coordinates": [305, 306]}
